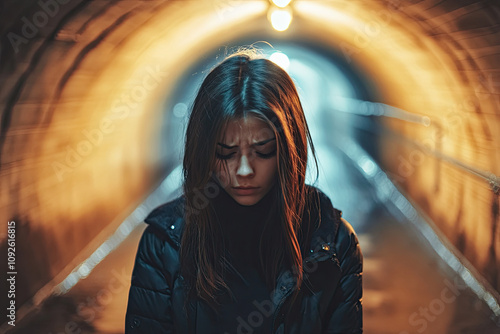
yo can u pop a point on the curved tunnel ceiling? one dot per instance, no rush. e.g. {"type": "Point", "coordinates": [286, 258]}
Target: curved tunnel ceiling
{"type": "Point", "coordinates": [407, 57]}
{"type": "Point", "coordinates": [82, 99]}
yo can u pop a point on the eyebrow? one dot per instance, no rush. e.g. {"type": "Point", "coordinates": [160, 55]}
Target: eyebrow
{"type": "Point", "coordinates": [256, 144]}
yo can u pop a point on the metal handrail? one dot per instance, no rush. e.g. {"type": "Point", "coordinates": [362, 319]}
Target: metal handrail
{"type": "Point", "coordinates": [368, 108]}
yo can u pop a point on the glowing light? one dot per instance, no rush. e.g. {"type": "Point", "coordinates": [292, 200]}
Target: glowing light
{"type": "Point", "coordinates": [281, 3]}
{"type": "Point", "coordinates": [180, 110]}
{"type": "Point", "coordinates": [368, 166]}
{"type": "Point", "coordinates": [280, 59]}
{"type": "Point", "coordinates": [70, 281]}
{"type": "Point", "coordinates": [83, 271]}
{"type": "Point", "coordinates": [281, 19]}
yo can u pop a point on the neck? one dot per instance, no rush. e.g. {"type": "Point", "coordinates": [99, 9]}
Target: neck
{"type": "Point", "coordinates": [243, 225]}
{"type": "Point", "coordinates": [235, 215]}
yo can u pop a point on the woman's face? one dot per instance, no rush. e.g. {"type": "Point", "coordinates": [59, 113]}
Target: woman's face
{"type": "Point", "coordinates": [249, 149]}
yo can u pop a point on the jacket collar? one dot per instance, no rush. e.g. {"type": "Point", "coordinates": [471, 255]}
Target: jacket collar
{"type": "Point", "coordinates": [169, 220]}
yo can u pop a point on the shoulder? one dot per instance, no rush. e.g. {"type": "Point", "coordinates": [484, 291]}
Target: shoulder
{"type": "Point", "coordinates": [349, 250]}
{"type": "Point", "coordinates": [332, 229]}
{"type": "Point", "coordinates": [159, 243]}
{"type": "Point", "coordinates": [167, 220]}
{"type": "Point", "coordinates": [170, 209]}
{"type": "Point", "coordinates": [326, 216]}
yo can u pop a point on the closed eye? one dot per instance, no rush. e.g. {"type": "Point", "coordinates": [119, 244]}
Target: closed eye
{"type": "Point", "coordinates": [261, 155]}
{"type": "Point", "coordinates": [266, 155]}
{"type": "Point", "coordinates": [224, 156]}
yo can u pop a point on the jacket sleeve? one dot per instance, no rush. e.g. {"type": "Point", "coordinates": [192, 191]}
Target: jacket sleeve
{"type": "Point", "coordinates": [347, 314]}
{"type": "Point", "coordinates": [149, 308]}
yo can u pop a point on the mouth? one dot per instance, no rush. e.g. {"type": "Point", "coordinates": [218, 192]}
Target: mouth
{"type": "Point", "coordinates": [242, 191]}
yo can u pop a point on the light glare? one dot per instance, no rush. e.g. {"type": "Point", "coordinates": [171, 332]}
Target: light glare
{"type": "Point", "coordinates": [281, 19]}
{"type": "Point", "coordinates": [281, 3]}
{"type": "Point", "coordinates": [280, 59]}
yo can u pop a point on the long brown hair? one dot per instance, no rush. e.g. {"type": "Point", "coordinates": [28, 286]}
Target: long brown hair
{"type": "Point", "coordinates": [243, 83]}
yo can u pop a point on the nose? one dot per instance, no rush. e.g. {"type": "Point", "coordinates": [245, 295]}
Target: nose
{"type": "Point", "coordinates": [244, 169]}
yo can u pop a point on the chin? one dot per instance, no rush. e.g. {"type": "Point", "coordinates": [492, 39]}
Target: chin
{"type": "Point", "coordinates": [246, 200]}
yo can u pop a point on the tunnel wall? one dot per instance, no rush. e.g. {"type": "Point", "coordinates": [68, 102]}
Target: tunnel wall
{"type": "Point", "coordinates": [435, 59]}
{"type": "Point", "coordinates": [448, 71]}
{"type": "Point", "coordinates": [71, 171]}
{"type": "Point", "coordinates": [444, 167]}
{"type": "Point", "coordinates": [82, 98]}
{"type": "Point", "coordinates": [82, 119]}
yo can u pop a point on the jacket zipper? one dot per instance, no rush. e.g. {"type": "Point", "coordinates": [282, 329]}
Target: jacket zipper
{"type": "Point", "coordinates": [278, 308]}
{"type": "Point", "coordinates": [283, 299]}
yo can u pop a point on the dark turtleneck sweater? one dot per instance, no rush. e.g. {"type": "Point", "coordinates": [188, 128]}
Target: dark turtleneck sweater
{"type": "Point", "coordinates": [242, 226]}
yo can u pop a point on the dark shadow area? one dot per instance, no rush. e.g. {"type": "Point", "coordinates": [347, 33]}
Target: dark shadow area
{"type": "Point", "coordinates": [57, 314]}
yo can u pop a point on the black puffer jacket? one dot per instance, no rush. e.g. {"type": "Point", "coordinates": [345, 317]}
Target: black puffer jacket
{"type": "Point", "coordinates": [330, 297]}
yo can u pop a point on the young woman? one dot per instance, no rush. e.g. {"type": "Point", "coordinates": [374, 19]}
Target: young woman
{"type": "Point", "coordinates": [248, 247]}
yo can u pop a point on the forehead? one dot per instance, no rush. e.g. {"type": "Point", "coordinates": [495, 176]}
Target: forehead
{"type": "Point", "coordinates": [248, 129]}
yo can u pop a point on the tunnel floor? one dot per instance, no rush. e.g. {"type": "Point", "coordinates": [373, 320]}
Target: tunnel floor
{"type": "Point", "coordinates": [407, 288]}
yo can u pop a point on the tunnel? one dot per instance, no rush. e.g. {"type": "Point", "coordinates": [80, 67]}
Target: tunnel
{"type": "Point", "coordinates": [402, 98]}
